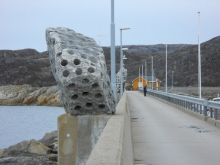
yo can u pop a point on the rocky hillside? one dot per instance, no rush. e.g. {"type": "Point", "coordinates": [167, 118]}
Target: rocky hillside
{"type": "Point", "coordinates": [31, 67]}
{"type": "Point", "coordinates": [25, 66]}
{"type": "Point", "coordinates": [182, 59]}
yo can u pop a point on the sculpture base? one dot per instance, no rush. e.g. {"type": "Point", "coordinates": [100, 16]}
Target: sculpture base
{"type": "Point", "coordinates": [77, 136]}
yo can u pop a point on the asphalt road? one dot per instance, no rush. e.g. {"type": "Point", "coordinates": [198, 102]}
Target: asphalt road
{"type": "Point", "coordinates": [167, 136]}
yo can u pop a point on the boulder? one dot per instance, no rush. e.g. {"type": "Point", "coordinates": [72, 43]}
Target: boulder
{"type": "Point", "coordinates": [41, 160]}
{"type": "Point", "coordinates": [49, 138]}
{"type": "Point", "coordinates": [28, 147]}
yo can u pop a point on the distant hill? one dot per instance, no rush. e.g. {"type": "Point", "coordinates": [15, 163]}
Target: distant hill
{"type": "Point", "coordinates": [28, 66]}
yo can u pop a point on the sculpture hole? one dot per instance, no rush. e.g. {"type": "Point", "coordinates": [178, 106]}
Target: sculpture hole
{"type": "Point", "coordinates": [95, 86]}
{"type": "Point", "coordinates": [70, 51]}
{"type": "Point", "coordinates": [101, 74]}
{"type": "Point", "coordinates": [74, 97]}
{"type": "Point", "coordinates": [83, 56]}
{"type": "Point", "coordinates": [102, 106]}
{"type": "Point", "coordinates": [78, 71]}
{"type": "Point", "coordinates": [85, 93]}
{"type": "Point", "coordinates": [88, 105]}
{"type": "Point", "coordinates": [98, 95]}
{"type": "Point", "coordinates": [76, 61]}
{"type": "Point", "coordinates": [66, 73]}
{"type": "Point", "coordinates": [92, 64]}
{"type": "Point", "coordinates": [108, 83]}
{"type": "Point", "coordinates": [91, 70]}
{"type": "Point", "coordinates": [59, 54]}
{"type": "Point", "coordinates": [64, 62]}
{"type": "Point", "coordinates": [85, 81]}
{"type": "Point", "coordinates": [77, 107]}
{"type": "Point", "coordinates": [93, 59]}
{"type": "Point", "coordinates": [71, 85]}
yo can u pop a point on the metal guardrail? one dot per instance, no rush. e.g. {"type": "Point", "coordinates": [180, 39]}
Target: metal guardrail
{"type": "Point", "coordinates": [194, 104]}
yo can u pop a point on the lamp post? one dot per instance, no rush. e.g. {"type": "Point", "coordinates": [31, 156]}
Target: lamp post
{"type": "Point", "coordinates": [166, 68]}
{"type": "Point", "coordinates": [172, 79]}
{"type": "Point", "coordinates": [199, 60]}
{"type": "Point", "coordinates": [152, 72]}
{"type": "Point", "coordinates": [122, 28]}
{"type": "Point", "coordinates": [146, 70]}
{"type": "Point", "coordinates": [113, 49]}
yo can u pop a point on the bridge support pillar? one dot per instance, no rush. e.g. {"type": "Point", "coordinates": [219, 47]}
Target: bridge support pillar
{"type": "Point", "coordinates": [77, 136]}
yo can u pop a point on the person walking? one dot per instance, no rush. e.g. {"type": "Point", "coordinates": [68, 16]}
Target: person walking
{"type": "Point", "coordinates": [145, 90]}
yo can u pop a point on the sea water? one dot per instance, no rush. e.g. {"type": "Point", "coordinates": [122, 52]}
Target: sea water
{"type": "Point", "coordinates": [19, 123]}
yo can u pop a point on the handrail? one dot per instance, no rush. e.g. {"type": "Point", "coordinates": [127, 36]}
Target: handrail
{"type": "Point", "coordinates": [202, 105]}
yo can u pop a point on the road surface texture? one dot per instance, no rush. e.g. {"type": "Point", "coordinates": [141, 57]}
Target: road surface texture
{"type": "Point", "coordinates": [167, 136]}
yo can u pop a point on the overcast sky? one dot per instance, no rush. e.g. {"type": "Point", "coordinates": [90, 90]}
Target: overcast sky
{"type": "Point", "coordinates": [23, 22]}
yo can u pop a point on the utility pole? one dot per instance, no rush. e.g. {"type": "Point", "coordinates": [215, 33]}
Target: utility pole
{"type": "Point", "coordinates": [146, 70]}
{"type": "Point", "coordinates": [152, 72]}
{"type": "Point", "coordinates": [166, 68]}
{"type": "Point", "coordinates": [113, 50]}
{"type": "Point", "coordinates": [142, 77]}
{"type": "Point", "coordinates": [199, 60]}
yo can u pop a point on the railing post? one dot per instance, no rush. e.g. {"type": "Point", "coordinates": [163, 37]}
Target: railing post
{"type": "Point", "coordinates": [205, 107]}
{"type": "Point", "coordinates": [211, 111]}
{"type": "Point", "coordinates": [216, 114]}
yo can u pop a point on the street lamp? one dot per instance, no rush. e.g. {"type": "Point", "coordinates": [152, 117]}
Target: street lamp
{"type": "Point", "coordinates": [113, 49]}
{"type": "Point", "coordinates": [152, 72]}
{"type": "Point", "coordinates": [122, 28]}
{"type": "Point", "coordinates": [166, 68]}
{"type": "Point", "coordinates": [172, 79]}
{"type": "Point", "coordinates": [199, 60]}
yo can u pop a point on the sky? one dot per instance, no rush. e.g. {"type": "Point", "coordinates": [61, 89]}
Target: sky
{"type": "Point", "coordinates": [23, 22]}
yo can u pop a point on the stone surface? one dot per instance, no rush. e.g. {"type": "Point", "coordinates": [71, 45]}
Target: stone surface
{"type": "Point", "coordinates": [41, 160]}
{"type": "Point", "coordinates": [41, 152]}
{"type": "Point", "coordinates": [77, 136]}
{"type": "Point", "coordinates": [49, 138]}
{"type": "Point", "coordinates": [78, 65]}
{"type": "Point", "coordinates": [26, 148]}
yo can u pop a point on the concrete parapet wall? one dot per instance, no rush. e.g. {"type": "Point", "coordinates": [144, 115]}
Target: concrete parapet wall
{"type": "Point", "coordinates": [115, 143]}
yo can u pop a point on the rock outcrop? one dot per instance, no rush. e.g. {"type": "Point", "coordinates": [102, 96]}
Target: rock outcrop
{"type": "Point", "coordinates": [32, 152]}
{"type": "Point", "coordinates": [78, 65]}
{"type": "Point", "coordinates": [27, 95]}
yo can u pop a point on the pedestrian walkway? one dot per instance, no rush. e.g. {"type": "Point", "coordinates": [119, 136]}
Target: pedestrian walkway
{"type": "Point", "coordinates": [167, 136]}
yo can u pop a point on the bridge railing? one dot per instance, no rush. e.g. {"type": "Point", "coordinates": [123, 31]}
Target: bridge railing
{"type": "Point", "coordinates": [201, 106]}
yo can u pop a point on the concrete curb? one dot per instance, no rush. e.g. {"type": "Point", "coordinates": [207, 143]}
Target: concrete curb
{"type": "Point", "coordinates": [115, 145]}
{"type": "Point", "coordinates": [192, 113]}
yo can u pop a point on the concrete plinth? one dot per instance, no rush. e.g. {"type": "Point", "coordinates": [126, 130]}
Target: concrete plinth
{"type": "Point", "coordinates": [77, 136]}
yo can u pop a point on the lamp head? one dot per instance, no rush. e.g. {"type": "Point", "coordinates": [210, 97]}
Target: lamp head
{"type": "Point", "coordinates": [124, 28]}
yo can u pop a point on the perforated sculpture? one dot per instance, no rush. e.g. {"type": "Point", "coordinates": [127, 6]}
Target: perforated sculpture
{"type": "Point", "coordinates": [79, 68]}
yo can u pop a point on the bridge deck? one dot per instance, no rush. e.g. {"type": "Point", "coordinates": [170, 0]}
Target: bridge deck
{"type": "Point", "coordinates": [168, 136]}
